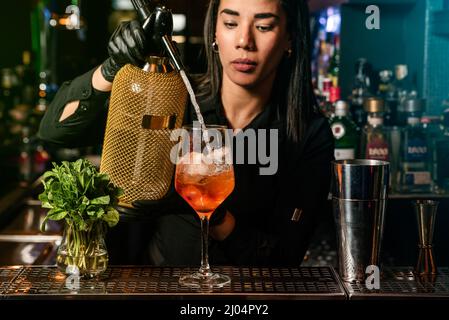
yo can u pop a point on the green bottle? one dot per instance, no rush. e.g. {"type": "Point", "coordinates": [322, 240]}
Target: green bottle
{"type": "Point", "coordinates": [345, 132]}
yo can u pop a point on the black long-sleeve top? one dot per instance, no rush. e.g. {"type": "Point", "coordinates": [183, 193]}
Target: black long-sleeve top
{"type": "Point", "coordinates": [267, 231]}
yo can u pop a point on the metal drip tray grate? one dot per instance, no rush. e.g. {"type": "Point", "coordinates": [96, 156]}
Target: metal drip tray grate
{"type": "Point", "coordinates": [400, 282]}
{"type": "Point", "coordinates": [270, 283]}
{"type": "Point", "coordinates": [7, 275]}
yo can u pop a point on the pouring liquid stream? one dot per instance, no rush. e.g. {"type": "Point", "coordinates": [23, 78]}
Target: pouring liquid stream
{"type": "Point", "coordinates": [197, 108]}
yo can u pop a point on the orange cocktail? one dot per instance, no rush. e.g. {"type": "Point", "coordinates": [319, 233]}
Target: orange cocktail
{"type": "Point", "coordinates": [204, 179]}
{"type": "Point", "coordinates": [204, 193]}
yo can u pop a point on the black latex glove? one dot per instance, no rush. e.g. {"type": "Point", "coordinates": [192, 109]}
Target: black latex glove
{"type": "Point", "coordinates": [126, 45]}
{"type": "Point", "coordinates": [172, 203]}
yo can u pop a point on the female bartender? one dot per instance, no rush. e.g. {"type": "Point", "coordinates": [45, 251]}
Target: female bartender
{"type": "Point", "coordinates": [258, 77]}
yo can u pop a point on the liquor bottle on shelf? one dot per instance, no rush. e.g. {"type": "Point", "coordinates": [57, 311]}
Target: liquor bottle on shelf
{"type": "Point", "coordinates": [345, 132]}
{"type": "Point", "coordinates": [334, 96]}
{"type": "Point", "coordinates": [360, 91]}
{"type": "Point", "coordinates": [7, 101]}
{"type": "Point", "coordinates": [402, 84]}
{"type": "Point", "coordinates": [433, 129]}
{"type": "Point", "coordinates": [415, 165]}
{"type": "Point", "coordinates": [25, 157]}
{"type": "Point", "coordinates": [325, 97]}
{"type": "Point", "coordinates": [334, 65]}
{"type": "Point", "coordinates": [323, 59]}
{"type": "Point", "coordinates": [21, 112]}
{"type": "Point", "coordinates": [3, 112]}
{"type": "Point", "coordinates": [40, 160]}
{"type": "Point", "coordinates": [442, 155]}
{"type": "Point", "coordinates": [374, 137]}
{"type": "Point", "coordinates": [385, 84]}
{"type": "Point", "coordinates": [403, 89]}
{"type": "Point", "coordinates": [386, 92]}
{"type": "Point", "coordinates": [394, 143]}
{"type": "Point", "coordinates": [27, 78]}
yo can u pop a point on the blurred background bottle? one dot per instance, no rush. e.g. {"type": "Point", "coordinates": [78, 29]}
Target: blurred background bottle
{"type": "Point", "coordinates": [334, 65]}
{"type": "Point", "coordinates": [374, 143]}
{"type": "Point", "coordinates": [402, 89]}
{"type": "Point", "coordinates": [25, 157]}
{"type": "Point", "coordinates": [7, 101]}
{"type": "Point", "coordinates": [345, 132]}
{"type": "Point", "coordinates": [415, 157]}
{"type": "Point", "coordinates": [394, 143]}
{"type": "Point", "coordinates": [386, 92]}
{"type": "Point", "coordinates": [325, 97]}
{"type": "Point", "coordinates": [442, 154]}
{"type": "Point", "coordinates": [433, 129]}
{"type": "Point", "coordinates": [360, 91]}
{"type": "Point", "coordinates": [41, 159]}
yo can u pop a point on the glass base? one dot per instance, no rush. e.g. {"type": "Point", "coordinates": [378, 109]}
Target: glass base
{"type": "Point", "coordinates": [199, 280]}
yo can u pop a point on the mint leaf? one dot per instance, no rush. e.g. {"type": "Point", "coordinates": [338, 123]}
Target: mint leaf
{"type": "Point", "coordinates": [111, 217]}
{"type": "Point", "coordinates": [101, 200]}
{"type": "Point", "coordinates": [79, 193]}
{"type": "Point", "coordinates": [56, 214]}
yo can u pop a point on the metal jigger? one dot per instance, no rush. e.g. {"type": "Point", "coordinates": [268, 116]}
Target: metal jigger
{"type": "Point", "coordinates": [426, 212]}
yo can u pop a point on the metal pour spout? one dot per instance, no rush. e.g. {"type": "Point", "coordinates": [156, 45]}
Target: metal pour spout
{"type": "Point", "coordinates": [158, 26]}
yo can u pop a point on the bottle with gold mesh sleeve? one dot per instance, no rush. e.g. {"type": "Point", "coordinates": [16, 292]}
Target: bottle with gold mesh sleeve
{"type": "Point", "coordinates": [146, 105]}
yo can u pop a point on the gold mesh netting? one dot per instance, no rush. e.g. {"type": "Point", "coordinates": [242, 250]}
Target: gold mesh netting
{"type": "Point", "coordinates": [138, 159]}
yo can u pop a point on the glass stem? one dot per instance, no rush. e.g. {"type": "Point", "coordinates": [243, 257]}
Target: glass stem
{"type": "Point", "coordinates": [205, 268]}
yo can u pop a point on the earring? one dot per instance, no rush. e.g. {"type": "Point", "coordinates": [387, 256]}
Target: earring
{"type": "Point", "coordinates": [215, 47]}
{"type": "Point", "coordinates": [289, 53]}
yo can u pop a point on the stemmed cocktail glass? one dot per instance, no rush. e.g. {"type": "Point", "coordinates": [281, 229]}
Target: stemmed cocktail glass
{"type": "Point", "coordinates": [204, 178]}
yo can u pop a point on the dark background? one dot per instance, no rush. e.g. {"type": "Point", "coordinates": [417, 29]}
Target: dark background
{"type": "Point", "coordinates": [404, 38]}
{"type": "Point", "coordinates": [75, 56]}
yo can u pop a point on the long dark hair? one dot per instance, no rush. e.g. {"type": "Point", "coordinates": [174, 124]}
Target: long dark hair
{"type": "Point", "coordinates": [293, 90]}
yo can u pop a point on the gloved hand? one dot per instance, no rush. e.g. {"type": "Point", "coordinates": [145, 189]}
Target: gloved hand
{"type": "Point", "coordinates": [126, 45]}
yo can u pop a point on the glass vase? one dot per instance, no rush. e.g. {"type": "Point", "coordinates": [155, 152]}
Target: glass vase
{"type": "Point", "coordinates": [83, 251]}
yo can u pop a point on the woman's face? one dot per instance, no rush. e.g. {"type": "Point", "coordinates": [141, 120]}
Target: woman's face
{"type": "Point", "coordinates": [252, 39]}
